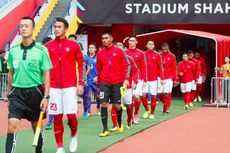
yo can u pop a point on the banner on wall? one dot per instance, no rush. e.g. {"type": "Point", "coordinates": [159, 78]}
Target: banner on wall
{"type": "Point", "coordinates": [156, 11]}
{"type": "Point", "coordinates": [83, 42]}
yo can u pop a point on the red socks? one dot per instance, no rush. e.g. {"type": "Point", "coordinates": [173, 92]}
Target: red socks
{"type": "Point", "coordinates": [58, 130]}
{"type": "Point", "coordinates": [193, 95]}
{"type": "Point", "coordinates": [137, 105]}
{"type": "Point", "coordinates": [114, 116]}
{"type": "Point", "coordinates": [73, 124]}
{"type": "Point", "coordinates": [153, 104]}
{"type": "Point", "coordinates": [167, 99]}
{"type": "Point", "coordinates": [129, 111]}
{"type": "Point", "coordinates": [145, 103]}
{"type": "Point", "coordinates": [199, 89]}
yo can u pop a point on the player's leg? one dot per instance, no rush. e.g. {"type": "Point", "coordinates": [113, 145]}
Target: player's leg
{"type": "Point", "coordinates": [50, 122]}
{"type": "Point", "coordinates": [70, 109]}
{"type": "Point", "coordinates": [85, 97]}
{"type": "Point", "coordinates": [105, 92]}
{"type": "Point", "coordinates": [89, 101]}
{"type": "Point", "coordinates": [129, 107]}
{"type": "Point", "coordinates": [114, 119]}
{"type": "Point", "coordinates": [167, 97]}
{"type": "Point", "coordinates": [14, 117]}
{"type": "Point", "coordinates": [184, 93]}
{"type": "Point", "coordinates": [144, 100]}
{"type": "Point", "coordinates": [56, 109]}
{"type": "Point", "coordinates": [153, 92]}
{"type": "Point", "coordinates": [116, 101]}
{"type": "Point", "coordinates": [194, 92]}
{"type": "Point", "coordinates": [137, 93]}
{"type": "Point", "coordinates": [188, 89]}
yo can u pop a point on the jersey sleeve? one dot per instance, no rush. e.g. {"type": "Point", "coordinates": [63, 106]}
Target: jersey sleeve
{"type": "Point", "coordinates": [143, 68]}
{"type": "Point", "coordinates": [10, 60]}
{"type": "Point", "coordinates": [81, 62]}
{"type": "Point", "coordinates": [98, 68]}
{"type": "Point", "coordinates": [46, 62]}
{"type": "Point", "coordinates": [125, 65]}
{"type": "Point", "coordinates": [174, 68]}
{"type": "Point", "coordinates": [160, 67]}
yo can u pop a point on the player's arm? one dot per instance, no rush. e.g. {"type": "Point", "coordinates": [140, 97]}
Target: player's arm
{"type": "Point", "coordinates": [81, 62]}
{"type": "Point", "coordinates": [174, 68]}
{"type": "Point", "coordinates": [44, 103]}
{"type": "Point", "coordinates": [160, 67]}
{"type": "Point", "coordinates": [10, 80]}
{"type": "Point", "coordinates": [144, 68]}
{"type": "Point", "coordinates": [98, 68]}
{"type": "Point", "coordinates": [126, 68]}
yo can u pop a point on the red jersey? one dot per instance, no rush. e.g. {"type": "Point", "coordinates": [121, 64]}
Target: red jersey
{"type": "Point", "coordinates": [188, 70]}
{"type": "Point", "coordinates": [154, 65]}
{"type": "Point", "coordinates": [140, 61]}
{"type": "Point", "coordinates": [197, 68]}
{"type": "Point", "coordinates": [64, 54]}
{"type": "Point", "coordinates": [112, 66]}
{"type": "Point", "coordinates": [202, 66]}
{"type": "Point", "coordinates": [169, 66]}
{"type": "Point", "coordinates": [134, 75]}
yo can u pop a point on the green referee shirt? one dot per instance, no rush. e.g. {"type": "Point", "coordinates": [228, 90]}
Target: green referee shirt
{"type": "Point", "coordinates": [28, 63]}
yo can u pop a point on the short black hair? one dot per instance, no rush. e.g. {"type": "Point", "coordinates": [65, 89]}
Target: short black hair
{"type": "Point", "coordinates": [29, 18]}
{"type": "Point", "coordinates": [197, 51]}
{"type": "Point", "coordinates": [59, 19]}
{"type": "Point", "coordinates": [150, 40]}
{"type": "Point", "coordinates": [190, 51]}
{"type": "Point", "coordinates": [73, 35]}
{"type": "Point", "coordinates": [93, 43]}
{"type": "Point", "coordinates": [133, 36]}
{"type": "Point", "coordinates": [107, 32]}
{"type": "Point", "coordinates": [184, 53]}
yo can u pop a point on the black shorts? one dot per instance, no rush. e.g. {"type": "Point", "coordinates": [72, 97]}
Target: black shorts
{"type": "Point", "coordinates": [25, 103]}
{"type": "Point", "coordinates": [110, 93]}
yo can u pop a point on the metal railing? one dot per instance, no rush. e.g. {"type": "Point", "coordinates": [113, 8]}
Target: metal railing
{"type": "Point", "coordinates": [15, 31]}
{"type": "Point", "coordinates": [220, 88]}
{"type": "Point", "coordinates": [3, 85]}
{"type": "Point", "coordinates": [49, 31]}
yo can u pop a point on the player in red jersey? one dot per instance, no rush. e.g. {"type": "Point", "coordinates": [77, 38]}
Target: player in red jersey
{"type": "Point", "coordinates": [202, 77]}
{"type": "Point", "coordinates": [186, 72]}
{"type": "Point", "coordinates": [169, 77]}
{"type": "Point", "coordinates": [140, 60]}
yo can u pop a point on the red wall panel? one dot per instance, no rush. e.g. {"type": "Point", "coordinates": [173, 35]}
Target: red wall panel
{"type": "Point", "coordinates": [10, 21]}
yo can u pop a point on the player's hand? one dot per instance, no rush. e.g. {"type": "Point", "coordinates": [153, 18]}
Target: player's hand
{"type": "Point", "coordinates": [204, 79]}
{"type": "Point", "coordinates": [181, 73]}
{"type": "Point", "coordinates": [175, 83]}
{"type": "Point", "coordinates": [126, 83]}
{"type": "Point", "coordinates": [144, 84]}
{"type": "Point", "coordinates": [95, 79]}
{"type": "Point", "coordinates": [80, 90]}
{"type": "Point", "coordinates": [44, 104]}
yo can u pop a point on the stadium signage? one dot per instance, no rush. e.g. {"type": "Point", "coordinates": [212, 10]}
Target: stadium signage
{"type": "Point", "coordinates": [156, 11]}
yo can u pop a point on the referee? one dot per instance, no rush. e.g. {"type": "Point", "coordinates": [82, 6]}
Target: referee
{"type": "Point", "coordinates": [29, 65]}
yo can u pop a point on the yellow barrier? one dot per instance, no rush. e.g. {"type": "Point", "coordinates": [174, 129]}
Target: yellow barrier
{"type": "Point", "coordinates": [73, 26]}
{"type": "Point", "coordinates": [44, 17]}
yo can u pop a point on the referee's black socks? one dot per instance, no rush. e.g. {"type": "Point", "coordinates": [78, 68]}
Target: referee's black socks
{"type": "Point", "coordinates": [119, 115]}
{"type": "Point", "coordinates": [10, 145]}
{"type": "Point", "coordinates": [104, 118]}
{"type": "Point", "coordinates": [40, 143]}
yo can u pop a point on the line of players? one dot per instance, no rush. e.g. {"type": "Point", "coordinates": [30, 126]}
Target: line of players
{"type": "Point", "coordinates": [153, 73]}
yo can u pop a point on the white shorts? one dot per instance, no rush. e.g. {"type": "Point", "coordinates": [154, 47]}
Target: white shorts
{"type": "Point", "coordinates": [186, 87]}
{"type": "Point", "coordinates": [139, 88]}
{"type": "Point", "coordinates": [63, 101]}
{"type": "Point", "coordinates": [128, 98]}
{"type": "Point", "coordinates": [167, 86]}
{"type": "Point", "coordinates": [151, 87]}
{"type": "Point", "coordinates": [200, 80]}
{"type": "Point", "coordinates": [193, 85]}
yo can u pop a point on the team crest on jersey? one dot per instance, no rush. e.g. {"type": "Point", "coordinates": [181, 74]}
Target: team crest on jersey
{"type": "Point", "coordinates": [154, 57]}
{"type": "Point", "coordinates": [136, 56]}
{"type": "Point", "coordinates": [168, 58]}
{"type": "Point", "coordinates": [114, 54]}
{"type": "Point", "coordinates": [67, 49]}
{"type": "Point", "coordinates": [188, 66]}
